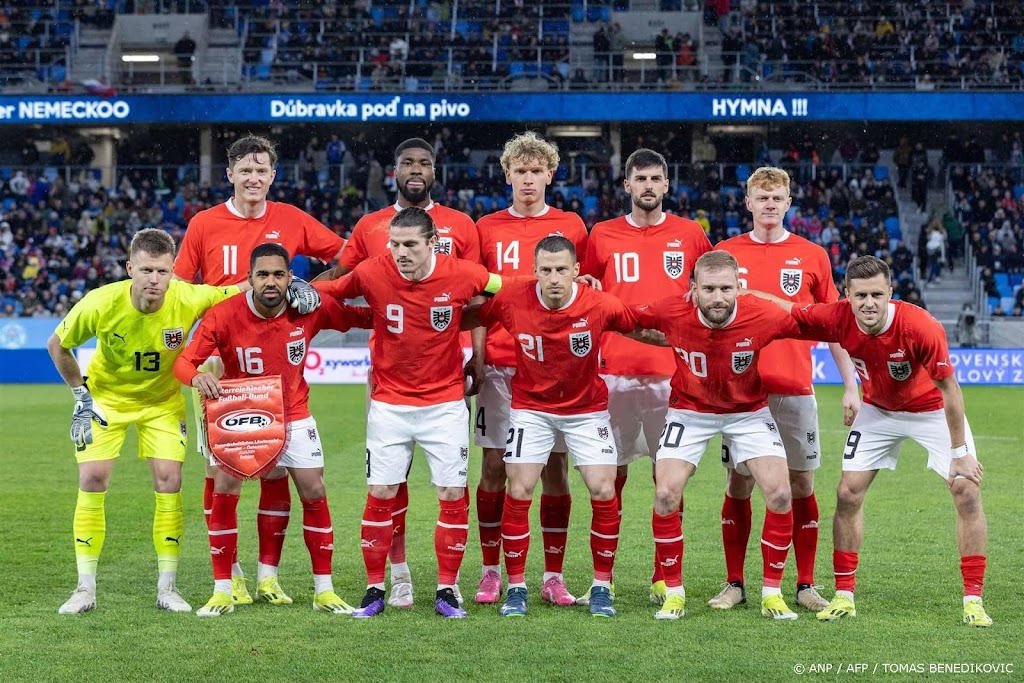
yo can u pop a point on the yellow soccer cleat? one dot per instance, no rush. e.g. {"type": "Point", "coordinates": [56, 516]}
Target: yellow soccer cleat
{"type": "Point", "coordinates": [240, 591]}
{"type": "Point", "coordinates": [328, 601]}
{"type": "Point", "coordinates": [673, 608]}
{"type": "Point", "coordinates": [219, 604]}
{"type": "Point", "coordinates": [840, 607]}
{"type": "Point", "coordinates": [775, 607]}
{"type": "Point", "coordinates": [657, 595]}
{"type": "Point", "coordinates": [269, 590]}
{"type": "Point", "coordinates": [974, 614]}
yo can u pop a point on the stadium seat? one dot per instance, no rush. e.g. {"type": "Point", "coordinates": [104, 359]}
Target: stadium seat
{"type": "Point", "coordinates": [892, 226]}
{"type": "Point", "coordinates": [1016, 279]}
{"type": "Point", "coordinates": [857, 221]}
{"type": "Point", "coordinates": [579, 13]}
{"type": "Point", "coordinates": [1003, 284]}
{"type": "Point", "coordinates": [881, 172]}
{"type": "Point", "coordinates": [742, 173]}
{"type": "Point", "coordinates": [993, 301]}
{"type": "Point", "coordinates": [1007, 303]}
{"type": "Point", "coordinates": [263, 72]}
{"type": "Point", "coordinates": [589, 204]}
{"type": "Point", "coordinates": [732, 220]}
{"type": "Point", "coordinates": [1018, 191]}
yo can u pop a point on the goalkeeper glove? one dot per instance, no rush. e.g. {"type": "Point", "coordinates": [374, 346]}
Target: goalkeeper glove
{"type": "Point", "coordinates": [302, 296]}
{"type": "Point", "coordinates": [86, 410]}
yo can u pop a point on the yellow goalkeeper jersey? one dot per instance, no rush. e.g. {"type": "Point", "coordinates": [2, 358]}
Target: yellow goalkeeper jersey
{"type": "Point", "coordinates": [135, 351]}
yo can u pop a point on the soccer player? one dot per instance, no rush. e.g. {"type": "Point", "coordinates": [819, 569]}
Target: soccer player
{"type": "Point", "coordinates": [456, 236]}
{"type": "Point", "coordinates": [416, 395]}
{"type": "Point", "coordinates": [260, 335]}
{"type": "Point", "coordinates": [557, 392]}
{"type": "Point", "coordinates": [216, 242]}
{"type": "Point", "coordinates": [507, 242]}
{"type": "Point", "coordinates": [716, 389]}
{"type": "Point", "coordinates": [140, 326]}
{"type": "Point", "coordinates": [910, 392]}
{"type": "Point", "coordinates": [772, 259]}
{"type": "Point", "coordinates": [642, 256]}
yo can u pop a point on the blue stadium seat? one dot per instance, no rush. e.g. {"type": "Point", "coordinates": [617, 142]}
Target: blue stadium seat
{"type": "Point", "coordinates": [263, 72]}
{"type": "Point", "coordinates": [1018, 191]}
{"type": "Point", "coordinates": [1016, 279]}
{"type": "Point", "coordinates": [1007, 303]}
{"type": "Point", "coordinates": [732, 220]}
{"type": "Point", "coordinates": [857, 221]}
{"type": "Point", "coordinates": [1003, 284]}
{"type": "Point", "coordinates": [823, 211]}
{"type": "Point", "coordinates": [731, 189]}
{"type": "Point", "coordinates": [555, 26]}
{"type": "Point", "coordinates": [993, 301]}
{"type": "Point", "coordinates": [58, 72]}
{"type": "Point", "coordinates": [881, 172]}
{"type": "Point", "coordinates": [579, 13]}
{"type": "Point", "coordinates": [377, 14]}
{"type": "Point", "coordinates": [742, 172]}
{"type": "Point", "coordinates": [892, 226]}
{"type": "Point", "coordinates": [502, 202]}
{"type": "Point", "coordinates": [589, 204]}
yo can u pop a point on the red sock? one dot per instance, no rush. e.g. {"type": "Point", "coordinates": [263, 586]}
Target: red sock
{"type": "Point", "coordinates": [223, 533]}
{"type": "Point", "coordinates": [845, 567]}
{"type": "Point", "coordinates": [805, 537]}
{"type": "Point", "coordinates": [668, 547]}
{"type": "Point", "coordinates": [972, 568]}
{"type": "Point", "coordinates": [620, 483]}
{"type": "Point", "coordinates": [735, 536]}
{"type": "Point", "coordinates": [776, 537]}
{"type": "Point", "coordinates": [604, 537]}
{"type": "Point", "coordinates": [554, 529]}
{"type": "Point", "coordinates": [397, 552]}
{"type": "Point", "coordinates": [318, 534]}
{"type": "Point", "coordinates": [376, 537]}
{"type": "Point", "coordinates": [450, 537]}
{"type": "Point", "coordinates": [489, 506]}
{"type": "Point", "coordinates": [208, 500]}
{"type": "Point", "coordinates": [272, 519]}
{"type": "Point", "coordinates": [515, 537]}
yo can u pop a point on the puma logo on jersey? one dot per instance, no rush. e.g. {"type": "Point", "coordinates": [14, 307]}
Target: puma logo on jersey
{"type": "Point", "coordinates": [444, 298]}
{"type": "Point", "coordinates": [582, 323]}
{"type": "Point", "coordinates": [119, 337]}
{"type": "Point", "coordinates": [940, 364]}
{"type": "Point", "coordinates": [556, 232]}
{"type": "Point", "coordinates": [444, 229]}
{"type": "Point", "coordinates": [899, 354]}
{"type": "Point", "coordinates": [273, 235]}
{"type": "Point", "coordinates": [674, 243]}
{"type": "Point", "coordinates": [297, 332]}
{"type": "Point", "coordinates": [792, 262]}
{"type": "Point", "coordinates": [749, 341]}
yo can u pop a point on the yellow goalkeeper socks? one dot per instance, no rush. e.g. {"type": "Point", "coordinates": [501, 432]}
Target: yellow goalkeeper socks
{"type": "Point", "coordinates": [168, 526]}
{"type": "Point", "coordinates": [90, 528]}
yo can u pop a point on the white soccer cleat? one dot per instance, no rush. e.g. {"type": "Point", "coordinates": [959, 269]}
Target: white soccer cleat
{"type": "Point", "coordinates": [401, 591]}
{"type": "Point", "coordinates": [82, 600]}
{"type": "Point", "coordinates": [170, 599]}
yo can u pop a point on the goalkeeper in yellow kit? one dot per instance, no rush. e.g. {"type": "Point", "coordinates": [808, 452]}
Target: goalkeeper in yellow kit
{"type": "Point", "coordinates": [140, 325]}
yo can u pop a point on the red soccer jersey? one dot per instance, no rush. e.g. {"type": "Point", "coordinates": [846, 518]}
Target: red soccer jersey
{"type": "Point", "coordinates": [639, 265]}
{"type": "Point", "coordinates": [556, 357]}
{"type": "Point", "coordinates": [792, 268]}
{"type": "Point", "coordinates": [251, 345]}
{"type": "Point", "coordinates": [716, 369]}
{"type": "Point", "coordinates": [456, 235]}
{"type": "Point", "coordinates": [219, 241]}
{"type": "Point", "coordinates": [507, 241]}
{"type": "Point", "coordinates": [415, 349]}
{"type": "Point", "coordinates": [897, 365]}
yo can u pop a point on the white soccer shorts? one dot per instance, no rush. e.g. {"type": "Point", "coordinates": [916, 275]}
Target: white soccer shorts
{"type": "Point", "coordinates": [637, 405]}
{"type": "Point", "coordinates": [392, 432]}
{"type": "Point", "coordinates": [874, 440]}
{"type": "Point", "coordinates": [750, 435]}
{"type": "Point", "coordinates": [532, 436]}
{"type": "Point", "coordinates": [797, 420]}
{"type": "Point", "coordinates": [493, 405]}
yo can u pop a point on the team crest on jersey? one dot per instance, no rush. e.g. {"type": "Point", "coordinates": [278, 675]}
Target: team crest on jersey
{"type": "Point", "coordinates": [173, 339]}
{"type": "Point", "coordinates": [741, 360]}
{"type": "Point", "coordinates": [444, 246]}
{"type": "Point", "coordinates": [440, 317]}
{"type": "Point", "coordinates": [899, 371]}
{"type": "Point", "coordinates": [790, 280]}
{"type": "Point", "coordinates": [296, 351]}
{"type": "Point", "coordinates": [580, 343]}
{"type": "Point", "coordinates": [673, 262]}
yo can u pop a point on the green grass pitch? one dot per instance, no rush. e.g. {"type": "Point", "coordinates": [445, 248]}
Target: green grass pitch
{"type": "Point", "coordinates": [908, 588]}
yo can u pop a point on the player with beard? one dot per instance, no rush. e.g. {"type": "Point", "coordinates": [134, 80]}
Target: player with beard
{"type": "Point", "coordinates": [640, 257]}
{"type": "Point", "coordinates": [456, 236]}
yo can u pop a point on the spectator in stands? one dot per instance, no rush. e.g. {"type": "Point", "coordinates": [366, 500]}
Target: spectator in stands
{"type": "Point", "coordinates": [935, 244]}
{"type": "Point", "coordinates": [602, 47]}
{"type": "Point", "coordinates": [184, 51]}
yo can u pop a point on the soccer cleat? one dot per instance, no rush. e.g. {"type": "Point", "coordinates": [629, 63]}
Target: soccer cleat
{"type": "Point", "coordinates": [673, 608]}
{"type": "Point", "coordinates": [240, 591]}
{"type": "Point", "coordinates": [401, 591]}
{"type": "Point", "coordinates": [489, 590]}
{"type": "Point", "coordinates": [555, 592]}
{"type": "Point", "coordinates": [808, 597]}
{"type": "Point", "coordinates": [269, 590]}
{"type": "Point", "coordinates": [220, 603]}
{"type": "Point", "coordinates": [458, 593]}
{"type": "Point", "coordinates": [601, 602]}
{"type": "Point", "coordinates": [372, 604]}
{"type": "Point", "coordinates": [657, 595]}
{"type": "Point", "coordinates": [584, 599]}
{"type": "Point", "coordinates": [447, 605]}
{"type": "Point", "coordinates": [775, 607]}
{"type": "Point", "coordinates": [730, 596]}
{"type": "Point", "coordinates": [515, 603]}
{"type": "Point", "coordinates": [328, 601]}
{"type": "Point", "coordinates": [841, 606]}
{"type": "Point", "coordinates": [170, 599]}
{"type": "Point", "coordinates": [82, 600]}
{"type": "Point", "coordinates": [974, 614]}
